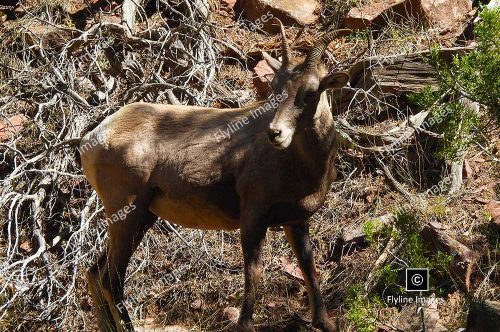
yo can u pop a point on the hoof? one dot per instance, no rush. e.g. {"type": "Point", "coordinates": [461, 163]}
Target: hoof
{"type": "Point", "coordinates": [245, 327]}
{"type": "Point", "coordinates": [325, 325]}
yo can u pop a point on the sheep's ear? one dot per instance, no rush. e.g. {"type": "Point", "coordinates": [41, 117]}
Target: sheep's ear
{"type": "Point", "coordinates": [334, 81]}
{"type": "Point", "coordinates": [272, 62]}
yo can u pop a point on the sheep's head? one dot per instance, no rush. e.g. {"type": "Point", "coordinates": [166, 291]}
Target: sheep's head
{"type": "Point", "coordinates": [300, 87]}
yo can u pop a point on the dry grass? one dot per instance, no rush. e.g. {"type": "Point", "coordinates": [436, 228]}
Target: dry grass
{"type": "Point", "coordinates": [190, 277]}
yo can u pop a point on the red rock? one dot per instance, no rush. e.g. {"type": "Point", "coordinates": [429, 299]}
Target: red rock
{"type": "Point", "coordinates": [496, 149]}
{"type": "Point", "coordinates": [263, 79]}
{"type": "Point", "coordinates": [444, 13]}
{"type": "Point", "coordinates": [73, 7]}
{"type": "Point", "coordinates": [493, 209]}
{"type": "Point", "coordinates": [11, 126]}
{"type": "Point", "coordinates": [468, 169]}
{"type": "Point", "coordinates": [231, 314]}
{"type": "Point", "coordinates": [371, 14]}
{"type": "Point", "coordinates": [441, 14]}
{"type": "Point", "coordinates": [228, 4]}
{"type": "Point", "coordinates": [26, 246]}
{"type": "Point", "coordinates": [290, 12]}
{"type": "Point", "coordinates": [110, 18]}
{"type": "Point", "coordinates": [291, 268]}
{"type": "Point", "coordinates": [196, 304]}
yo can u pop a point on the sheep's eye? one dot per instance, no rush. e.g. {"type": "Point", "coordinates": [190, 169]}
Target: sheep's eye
{"type": "Point", "coordinates": [309, 96]}
{"type": "Point", "coordinates": [277, 84]}
{"type": "Point", "coordinates": [274, 84]}
{"type": "Point", "coordinates": [304, 98]}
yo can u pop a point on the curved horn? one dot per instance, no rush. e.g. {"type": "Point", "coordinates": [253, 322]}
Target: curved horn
{"type": "Point", "coordinates": [322, 43]}
{"type": "Point", "coordinates": [285, 49]}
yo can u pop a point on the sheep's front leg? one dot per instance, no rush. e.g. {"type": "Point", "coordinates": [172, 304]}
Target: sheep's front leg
{"type": "Point", "coordinates": [252, 241]}
{"type": "Point", "coordinates": [298, 237]}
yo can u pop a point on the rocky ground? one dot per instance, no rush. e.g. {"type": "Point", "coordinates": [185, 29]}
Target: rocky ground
{"type": "Point", "coordinates": [66, 65]}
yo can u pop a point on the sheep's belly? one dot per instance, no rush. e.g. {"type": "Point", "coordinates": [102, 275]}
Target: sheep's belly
{"type": "Point", "coordinates": [193, 212]}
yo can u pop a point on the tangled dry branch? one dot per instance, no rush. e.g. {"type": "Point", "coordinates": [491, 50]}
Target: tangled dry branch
{"type": "Point", "coordinates": [67, 80]}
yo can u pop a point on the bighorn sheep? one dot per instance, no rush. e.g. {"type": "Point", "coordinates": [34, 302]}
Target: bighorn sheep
{"type": "Point", "coordinates": [172, 162]}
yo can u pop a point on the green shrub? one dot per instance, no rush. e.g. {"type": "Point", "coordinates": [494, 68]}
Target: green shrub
{"type": "Point", "coordinates": [373, 229]}
{"type": "Point", "coordinates": [362, 309]}
{"type": "Point", "coordinates": [412, 251]}
{"type": "Point", "coordinates": [440, 263]}
{"type": "Point", "coordinates": [389, 277]}
{"type": "Point", "coordinates": [408, 233]}
{"type": "Point", "coordinates": [474, 76]}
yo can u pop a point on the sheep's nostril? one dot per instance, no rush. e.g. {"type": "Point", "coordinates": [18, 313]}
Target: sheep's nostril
{"type": "Point", "coordinates": [273, 133]}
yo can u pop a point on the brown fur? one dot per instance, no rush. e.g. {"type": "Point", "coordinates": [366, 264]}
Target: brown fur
{"type": "Point", "coordinates": [167, 162]}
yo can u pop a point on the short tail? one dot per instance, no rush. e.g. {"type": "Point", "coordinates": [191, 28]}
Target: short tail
{"type": "Point", "coordinates": [73, 143]}
{"type": "Point", "coordinates": [78, 157]}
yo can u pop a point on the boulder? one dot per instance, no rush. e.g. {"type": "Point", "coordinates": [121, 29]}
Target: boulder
{"type": "Point", "coordinates": [227, 5]}
{"type": "Point", "coordinates": [493, 208]}
{"type": "Point", "coordinates": [372, 14]}
{"type": "Point", "coordinates": [444, 14]}
{"type": "Point", "coordinates": [410, 319]}
{"type": "Point", "coordinates": [263, 76]}
{"type": "Point", "coordinates": [290, 12]}
{"type": "Point", "coordinates": [11, 126]}
{"type": "Point", "coordinates": [450, 15]}
{"type": "Point", "coordinates": [149, 325]}
{"type": "Point", "coordinates": [483, 316]}
{"type": "Point", "coordinates": [231, 314]}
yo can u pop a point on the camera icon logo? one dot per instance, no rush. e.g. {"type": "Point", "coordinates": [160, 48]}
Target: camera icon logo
{"type": "Point", "coordinates": [417, 280]}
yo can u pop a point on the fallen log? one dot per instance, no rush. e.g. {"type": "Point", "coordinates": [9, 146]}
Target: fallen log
{"type": "Point", "coordinates": [397, 74]}
{"type": "Point", "coordinates": [436, 237]}
{"type": "Point", "coordinates": [392, 140]}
